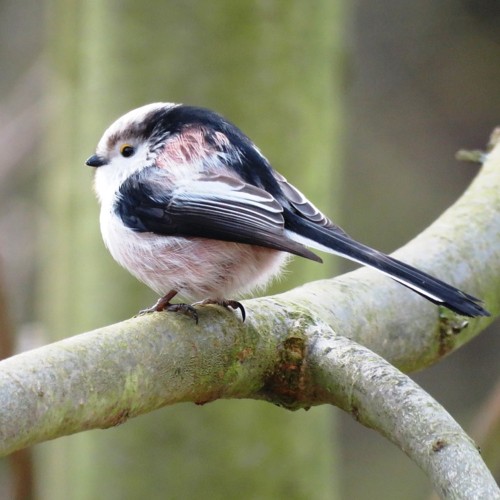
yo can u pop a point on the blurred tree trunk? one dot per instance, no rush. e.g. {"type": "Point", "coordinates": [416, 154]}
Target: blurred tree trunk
{"type": "Point", "coordinates": [272, 68]}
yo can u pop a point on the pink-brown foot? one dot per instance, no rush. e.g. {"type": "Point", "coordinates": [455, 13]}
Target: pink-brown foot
{"type": "Point", "coordinates": [163, 304]}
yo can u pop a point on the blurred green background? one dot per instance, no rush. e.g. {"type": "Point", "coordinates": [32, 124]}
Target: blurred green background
{"type": "Point", "coordinates": [363, 105]}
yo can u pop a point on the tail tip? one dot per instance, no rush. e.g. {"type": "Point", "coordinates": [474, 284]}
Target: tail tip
{"type": "Point", "coordinates": [471, 307]}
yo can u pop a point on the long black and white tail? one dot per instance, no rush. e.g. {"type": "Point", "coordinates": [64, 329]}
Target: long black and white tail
{"type": "Point", "coordinates": [427, 286]}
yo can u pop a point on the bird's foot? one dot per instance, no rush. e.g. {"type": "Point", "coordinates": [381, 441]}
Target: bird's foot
{"type": "Point", "coordinates": [182, 308]}
{"type": "Point", "coordinates": [163, 304]}
{"type": "Point", "coordinates": [233, 304]}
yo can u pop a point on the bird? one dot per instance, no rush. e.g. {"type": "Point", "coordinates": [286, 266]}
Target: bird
{"type": "Point", "coordinates": [191, 206]}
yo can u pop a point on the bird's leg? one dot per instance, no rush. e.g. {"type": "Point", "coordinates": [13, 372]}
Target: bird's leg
{"type": "Point", "coordinates": [163, 304]}
{"type": "Point", "coordinates": [234, 304]}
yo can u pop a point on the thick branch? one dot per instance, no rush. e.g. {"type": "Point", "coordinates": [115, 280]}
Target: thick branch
{"type": "Point", "coordinates": [462, 247]}
{"type": "Point", "coordinates": [380, 396]}
{"type": "Point", "coordinates": [101, 378]}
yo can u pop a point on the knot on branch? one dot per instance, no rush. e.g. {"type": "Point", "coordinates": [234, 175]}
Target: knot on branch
{"type": "Point", "coordinates": [285, 385]}
{"type": "Point", "coordinates": [289, 384]}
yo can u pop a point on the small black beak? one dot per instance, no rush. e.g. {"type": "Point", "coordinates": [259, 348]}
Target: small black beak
{"type": "Point", "coordinates": [96, 161]}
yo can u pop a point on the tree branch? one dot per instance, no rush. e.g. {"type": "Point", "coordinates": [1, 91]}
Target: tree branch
{"type": "Point", "coordinates": [282, 353]}
{"type": "Point", "coordinates": [381, 397]}
{"type": "Point", "coordinates": [462, 247]}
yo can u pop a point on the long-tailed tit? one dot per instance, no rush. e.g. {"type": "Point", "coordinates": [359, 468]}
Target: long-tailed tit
{"type": "Point", "coordinates": [190, 206]}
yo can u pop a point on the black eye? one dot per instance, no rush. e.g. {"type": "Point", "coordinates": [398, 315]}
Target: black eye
{"type": "Point", "coordinates": [126, 150]}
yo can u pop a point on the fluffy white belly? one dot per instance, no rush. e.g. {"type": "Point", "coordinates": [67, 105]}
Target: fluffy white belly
{"type": "Point", "coordinates": [197, 268]}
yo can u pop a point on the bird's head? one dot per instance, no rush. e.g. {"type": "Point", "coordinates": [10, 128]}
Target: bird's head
{"type": "Point", "coordinates": [128, 145]}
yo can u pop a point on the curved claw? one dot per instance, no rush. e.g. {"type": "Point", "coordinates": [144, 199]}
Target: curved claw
{"type": "Point", "coordinates": [236, 305]}
{"type": "Point", "coordinates": [233, 304]}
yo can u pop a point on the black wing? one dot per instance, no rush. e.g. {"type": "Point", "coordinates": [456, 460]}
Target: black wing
{"type": "Point", "coordinates": [216, 207]}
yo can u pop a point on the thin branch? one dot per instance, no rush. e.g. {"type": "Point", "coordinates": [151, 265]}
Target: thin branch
{"type": "Point", "coordinates": [485, 429]}
{"type": "Point", "coordinates": [6, 327]}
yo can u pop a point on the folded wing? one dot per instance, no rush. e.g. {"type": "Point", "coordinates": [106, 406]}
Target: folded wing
{"type": "Point", "coordinates": [214, 206]}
